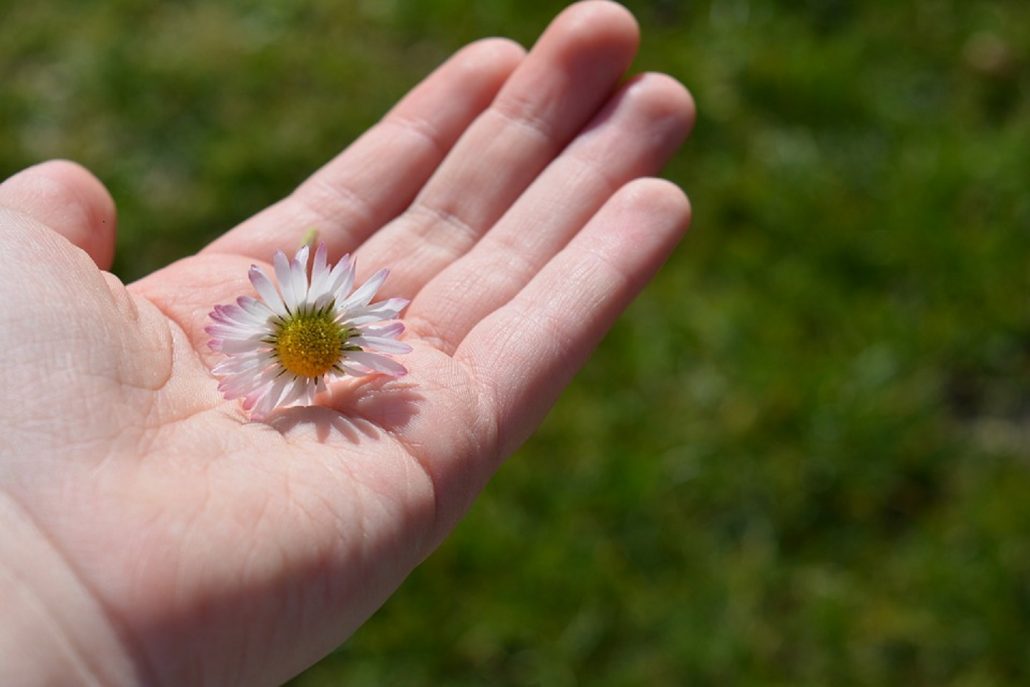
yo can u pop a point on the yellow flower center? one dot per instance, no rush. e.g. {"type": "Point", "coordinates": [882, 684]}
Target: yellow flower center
{"type": "Point", "coordinates": [309, 344]}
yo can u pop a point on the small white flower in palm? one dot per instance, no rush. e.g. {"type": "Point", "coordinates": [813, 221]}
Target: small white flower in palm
{"type": "Point", "coordinates": [283, 347]}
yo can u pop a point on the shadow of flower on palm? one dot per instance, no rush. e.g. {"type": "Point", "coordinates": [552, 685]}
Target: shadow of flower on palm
{"type": "Point", "coordinates": [355, 411]}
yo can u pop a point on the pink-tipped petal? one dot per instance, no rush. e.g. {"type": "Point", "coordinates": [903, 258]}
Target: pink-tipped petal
{"type": "Point", "coordinates": [282, 274]}
{"type": "Point", "coordinates": [381, 344]}
{"type": "Point", "coordinates": [390, 330]}
{"type": "Point", "coordinates": [341, 279]}
{"type": "Point", "coordinates": [319, 272]}
{"type": "Point", "coordinates": [364, 294]}
{"type": "Point", "coordinates": [379, 363]}
{"type": "Point", "coordinates": [266, 289]}
{"type": "Point", "coordinates": [299, 276]}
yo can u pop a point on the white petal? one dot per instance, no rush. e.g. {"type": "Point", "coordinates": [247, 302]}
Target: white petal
{"type": "Point", "coordinates": [363, 295]}
{"type": "Point", "coordinates": [341, 279]}
{"type": "Point", "coordinates": [236, 387]}
{"type": "Point", "coordinates": [374, 361]}
{"type": "Point", "coordinates": [319, 273]}
{"type": "Point", "coordinates": [270, 399]}
{"type": "Point", "coordinates": [234, 343]}
{"type": "Point", "coordinates": [299, 276]}
{"type": "Point", "coordinates": [242, 363]}
{"type": "Point", "coordinates": [236, 314]}
{"type": "Point", "coordinates": [382, 344]}
{"type": "Point", "coordinates": [255, 308]}
{"type": "Point", "coordinates": [237, 330]}
{"type": "Point", "coordinates": [266, 289]}
{"type": "Point", "coordinates": [390, 330]}
{"type": "Point", "coordinates": [296, 392]}
{"type": "Point", "coordinates": [377, 312]}
{"type": "Point", "coordinates": [231, 346]}
{"type": "Point", "coordinates": [251, 399]}
{"type": "Point", "coordinates": [245, 383]}
{"type": "Point", "coordinates": [282, 274]}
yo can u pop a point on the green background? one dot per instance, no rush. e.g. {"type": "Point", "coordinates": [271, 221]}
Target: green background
{"type": "Point", "coordinates": [802, 457]}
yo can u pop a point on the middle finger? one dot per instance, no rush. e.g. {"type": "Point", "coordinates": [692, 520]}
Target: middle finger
{"type": "Point", "coordinates": [570, 72]}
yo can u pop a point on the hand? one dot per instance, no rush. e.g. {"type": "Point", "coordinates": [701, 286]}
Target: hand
{"type": "Point", "coordinates": [151, 532]}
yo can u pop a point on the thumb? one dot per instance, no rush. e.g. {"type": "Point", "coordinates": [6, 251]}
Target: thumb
{"type": "Point", "coordinates": [69, 200]}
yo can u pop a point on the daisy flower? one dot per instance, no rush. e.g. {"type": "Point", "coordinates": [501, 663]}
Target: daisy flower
{"type": "Point", "coordinates": [283, 347]}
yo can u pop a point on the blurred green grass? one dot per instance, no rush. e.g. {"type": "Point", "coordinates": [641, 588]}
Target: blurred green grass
{"type": "Point", "coordinates": [803, 456]}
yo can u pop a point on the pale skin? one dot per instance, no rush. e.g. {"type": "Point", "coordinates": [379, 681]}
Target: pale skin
{"type": "Point", "coordinates": [152, 533]}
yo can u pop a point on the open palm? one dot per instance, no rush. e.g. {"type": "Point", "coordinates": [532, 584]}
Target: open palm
{"type": "Point", "coordinates": [152, 533]}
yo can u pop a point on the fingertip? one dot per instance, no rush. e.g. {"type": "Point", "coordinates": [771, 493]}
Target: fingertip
{"type": "Point", "coordinates": [593, 19]}
{"type": "Point", "coordinates": [487, 62]}
{"type": "Point", "coordinates": [493, 52]}
{"type": "Point", "coordinates": [596, 33]}
{"type": "Point", "coordinates": [664, 98]}
{"type": "Point", "coordinates": [660, 199]}
{"type": "Point", "coordinates": [68, 199]}
{"type": "Point", "coordinates": [576, 63]}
